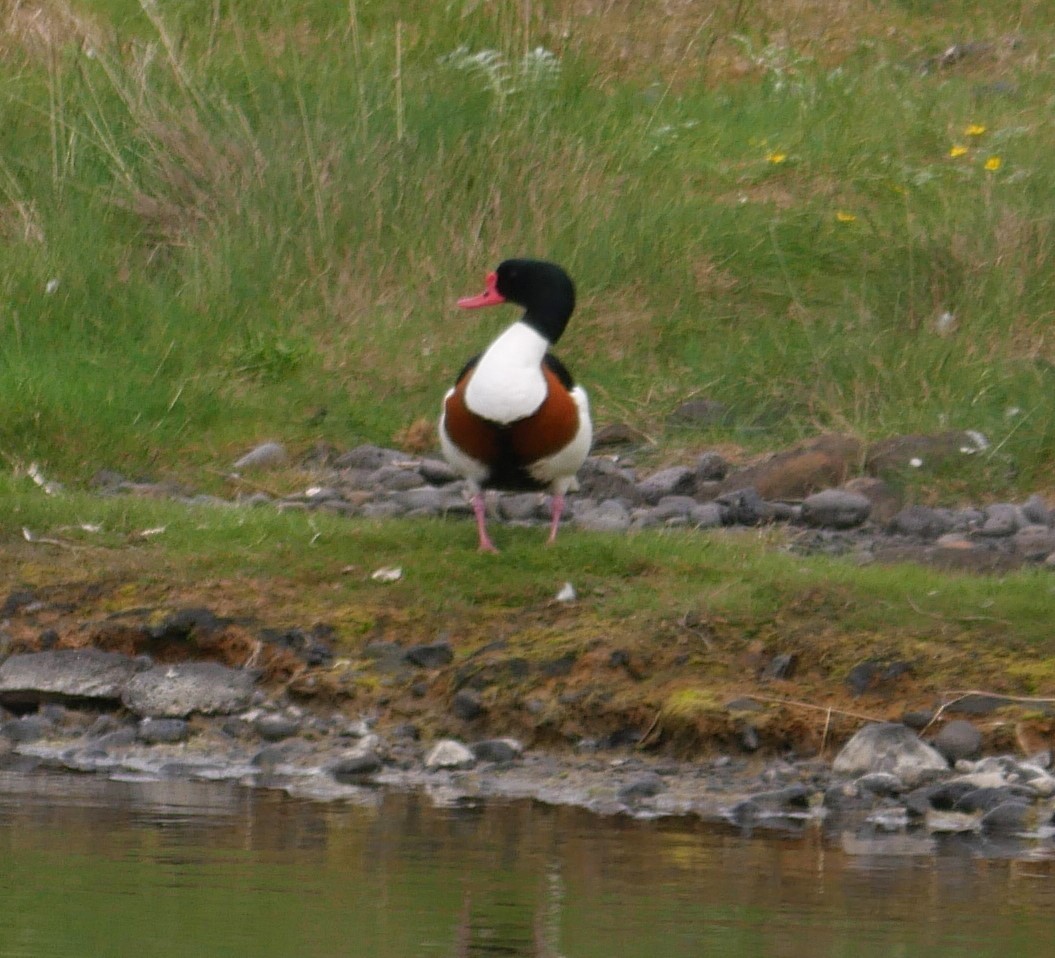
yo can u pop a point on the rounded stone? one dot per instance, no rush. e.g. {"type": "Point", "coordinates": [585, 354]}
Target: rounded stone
{"type": "Point", "coordinates": [498, 750]}
{"type": "Point", "coordinates": [889, 747]}
{"type": "Point", "coordinates": [355, 767]}
{"type": "Point", "coordinates": [274, 728]}
{"type": "Point", "coordinates": [1010, 818]}
{"type": "Point", "coordinates": [836, 509]}
{"type": "Point", "coordinates": [467, 705]}
{"type": "Point", "coordinates": [449, 754]}
{"type": "Point", "coordinates": [646, 786]}
{"type": "Point", "coordinates": [163, 731]}
{"type": "Point", "coordinates": [958, 739]}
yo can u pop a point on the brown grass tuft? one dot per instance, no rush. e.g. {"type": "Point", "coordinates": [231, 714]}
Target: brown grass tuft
{"type": "Point", "coordinates": [39, 28]}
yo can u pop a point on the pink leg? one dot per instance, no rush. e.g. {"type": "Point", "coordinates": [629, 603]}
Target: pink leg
{"type": "Point", "coordinates": [480, 510]}
{"type": "Point", "coordinates": [556, 509]}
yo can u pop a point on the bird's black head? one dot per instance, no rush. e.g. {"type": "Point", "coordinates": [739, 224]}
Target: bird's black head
{"type": "Point", "coordinates": [544, 290]}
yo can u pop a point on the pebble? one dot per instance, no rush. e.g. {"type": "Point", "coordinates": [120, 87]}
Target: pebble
{"type": "Point", "coordinates": [378, 483]}
{"type": "Point", "coordinates": [265, 456]}
{"type": "Point", "coordinates": [958, 739]}
{"type": "Point", "coordinates": [449, 753]}
{"type": "Point", "coordinates": [274, 728]}
{"type": "Point", "coordinates": [157, 731]}
{"type": "Point", "coordinates": [356, 766]}
{"type": "Point", "coordinates": [836, 509]}
{"type": "Point", "coordinates": [499, 750]}
{"type": "Point", "coordinates": [467, 705]}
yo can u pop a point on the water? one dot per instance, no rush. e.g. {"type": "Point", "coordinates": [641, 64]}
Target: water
{"type": "Point", "coordinates": [92, 867]}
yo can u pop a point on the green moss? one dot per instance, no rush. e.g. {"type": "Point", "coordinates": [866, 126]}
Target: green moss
{"type": "Point", "coordinates": [691, 703]}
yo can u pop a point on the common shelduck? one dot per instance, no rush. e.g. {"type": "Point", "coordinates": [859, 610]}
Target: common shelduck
{"type": "Point", "coordinates": [515, 419]}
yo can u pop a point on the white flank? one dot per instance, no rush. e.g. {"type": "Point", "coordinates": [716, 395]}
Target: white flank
{"type": "Point", "coordinates": [558, 471]}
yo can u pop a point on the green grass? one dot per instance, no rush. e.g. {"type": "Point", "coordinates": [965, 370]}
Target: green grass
{"type": "Point", "coordinates": [634, 585]}
{"type": "Point", "coordinates": [257, 211]}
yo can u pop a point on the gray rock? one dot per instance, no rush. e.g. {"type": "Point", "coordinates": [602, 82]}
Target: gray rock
{"type": "Point", "coordinates": [966, 519]}
{"type": "Point", "coordinates": [498, 750]}
{"type": "Point", "coordinates": [1034, 542]}
{"type": "Point", "coordinates": [781, 667]}
{"type": "Point", "coordinates": [1011, 818]}
{"type": "Point", "coordinates": [29, 728]}
{"type": "Point", "coordinates": [921, 522]}
{"type": "Point", "coordinates": [836, 509]}
{"type": "Point", "coordinates": [119, 738]}
{"type": "Point", "coordinates": [449, 754]}
{"type": "Point", "coordinates": [385, 509]}
{"type": "Point", "coordinates": [1035, 509]}
{"type": "Point", "coordinates": [883, 784]}
{"type": "Point", "coordinates": [1001, 519]}
{"type": "Point", "coordinates": [618, 434]}
{"type": "Point", "coordinates": [958, 739]}
{"type": "Point", "coordinates": [317, 495]}
{"type": "Point", "coordinates": [163, 731]}
{"type": "Point", "coordinates": [278, 753]}
{"type": "Point", "coordinates": [675, 481]}
{"type": "Point", "coordinates": [671, 507]}
{"type": "Point", "coordinates": [428, 499]}
{"type": "Point", "coordinates": [602, 479]}
{"type": "Point", "coordinates": [941, 797]}
{"type": "Point", "coordinates": [69, 675]}
{"type": "Point", "coordinates": [643, 519]}
{"type": "Point", "coordinates": [793, 800]}
{"type": "Point", "coordinates": [706, 515]}
{"type": "Point", "coordinates": [393, 478]}
{"type": "Point", "coordinates": [743, 507]}
{"type": "Point", "coordinates": [433, 655]}
{"type": "Point", "coordinates": [888, 747]}
{"type": "Point", "coordinates": [646, 786]}
{"type": "Point", "coordinates": [367, 457]}
{"type": "Point", "coordinates": [265, 456]}
{"type": "Point", "coordinates": [985, 799]}
{"type": "Point", "coordinates": [884, 498]}
{"type": "Point", "coordinates": [467, 705]}
{"type": "Point", "coordinates": [176, 691]}
{"type": "Point", "coordinates": [748, 738]}
{"type": "Point", "coordinates": [979, 703]}
{"type": "Point", "coordinates": [917, 719]}
{"type": "Point", "coordinates": [609, 516]}
{"type": "Point", "coordinates": [846, 795]}
{"type": "Point", "coordinates": [274, 728]}
{"type": "Point", "coordinates": [872, 676]}
{"type": "Point", "coordinates": [711, 467]}
{"type": "Point", "coordinates": [436, 472]}
{"type": "Point", "coordinates": [353, 768]}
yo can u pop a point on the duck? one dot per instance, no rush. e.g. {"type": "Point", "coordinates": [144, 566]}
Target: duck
{"type": "Point", "coordinates": [515, 419]}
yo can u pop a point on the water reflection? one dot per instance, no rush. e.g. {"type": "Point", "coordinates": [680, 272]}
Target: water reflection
{"type": "Point", "coordinates": [191, 868]}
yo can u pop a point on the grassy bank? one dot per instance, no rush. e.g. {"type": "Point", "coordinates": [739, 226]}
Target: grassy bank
{"type": "Point", "coordinates": [665, 630]}
{"type": "Point", "coordinates": [225, 222]}
{"type": "Point", "coordinates": [228, 222]}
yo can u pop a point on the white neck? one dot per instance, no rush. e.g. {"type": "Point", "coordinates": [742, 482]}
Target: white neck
{"type": "Point", "coordinates": [507, 383]}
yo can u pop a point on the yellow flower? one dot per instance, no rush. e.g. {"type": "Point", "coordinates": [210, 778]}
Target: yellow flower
{"type": "Point", "coordinates": [957, 150]}
{"type": "Point", "coordinates": [843, 217]}
{"type": "Point", "coordinates": [974, 129]}
{"type": "Point", "coordinates": [993, 164]}
{"type": "Point", "coordinates": [777, 157]}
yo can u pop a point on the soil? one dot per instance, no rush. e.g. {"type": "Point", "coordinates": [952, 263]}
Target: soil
{"type": "Point", "coordinates": [694, 688]}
